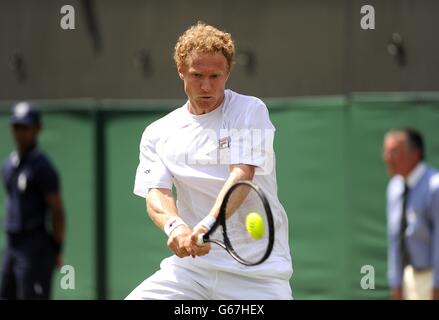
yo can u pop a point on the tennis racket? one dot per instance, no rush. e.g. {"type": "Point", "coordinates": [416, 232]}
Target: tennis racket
{"type": "Point", "coordinates": [242, 202]}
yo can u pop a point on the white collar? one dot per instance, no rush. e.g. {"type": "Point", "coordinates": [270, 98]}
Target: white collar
{"type": "Point", "coordinates": [15, 159]}
{"type": "Point", "coordinates": [416, 174]}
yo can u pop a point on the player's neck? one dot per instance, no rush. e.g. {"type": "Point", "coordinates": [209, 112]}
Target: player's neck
{"type": "Point", "coordinates": [199, 110]}
{"type": "Point", "coordinates": [24, 150]}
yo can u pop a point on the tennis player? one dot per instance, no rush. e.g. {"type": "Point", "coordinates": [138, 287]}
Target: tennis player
{"type": "Point", "coordinates": [215, 139]}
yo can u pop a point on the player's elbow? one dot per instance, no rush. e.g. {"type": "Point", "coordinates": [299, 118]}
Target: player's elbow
{"type": "Point", "coordinates": [243, 171]}
{"type": "Point", "coordinates": [148, 207]}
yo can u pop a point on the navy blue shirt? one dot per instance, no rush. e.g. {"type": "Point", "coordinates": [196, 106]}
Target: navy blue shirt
{"type": "Point", "coordinates": [28, 181]}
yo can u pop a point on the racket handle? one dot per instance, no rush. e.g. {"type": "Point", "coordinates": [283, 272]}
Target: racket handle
{"type": "Point", "coordinates": [200, 240]}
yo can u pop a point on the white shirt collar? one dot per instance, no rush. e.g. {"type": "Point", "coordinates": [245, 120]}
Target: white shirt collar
{"type": "Point", "coordinates": [15, 159]}
{"type": "Point", "coordinates": [416, 174]}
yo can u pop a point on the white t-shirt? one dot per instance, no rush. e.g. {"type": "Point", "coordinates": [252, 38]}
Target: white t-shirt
{"type": "Point", "coordinates": [194, 152]}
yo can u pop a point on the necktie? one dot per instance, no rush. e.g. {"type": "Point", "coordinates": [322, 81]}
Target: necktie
{"type": "Point", "coordinates": [404, 253]}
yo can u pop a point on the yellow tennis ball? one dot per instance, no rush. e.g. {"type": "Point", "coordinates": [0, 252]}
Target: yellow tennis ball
{"type": "Point", "coordinates": [254, 225]}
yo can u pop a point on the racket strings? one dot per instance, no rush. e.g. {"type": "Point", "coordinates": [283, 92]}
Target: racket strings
{"type": "Point", "coordinates": [244, 244]}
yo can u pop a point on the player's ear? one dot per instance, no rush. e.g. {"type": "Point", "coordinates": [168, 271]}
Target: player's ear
{"type": "Point", "coordinates": [181, 73]}
{"type": "Point", "coordinates": [227, 75]}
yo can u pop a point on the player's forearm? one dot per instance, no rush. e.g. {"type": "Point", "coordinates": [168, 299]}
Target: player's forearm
{"type": "Point", "coordinates": [58, 218]}
{"type": "Point", "coordinates": [58, 226]}
{"type": "Point", "coordinates": [161, 206]}
{"type": "Point", "coordinates": [237, 173]}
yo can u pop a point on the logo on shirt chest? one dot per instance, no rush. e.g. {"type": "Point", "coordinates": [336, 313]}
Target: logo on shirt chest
{"type": "Point", "coordinates": [224, 143]}
{"type": "Point", "coordinates": [22, 181]}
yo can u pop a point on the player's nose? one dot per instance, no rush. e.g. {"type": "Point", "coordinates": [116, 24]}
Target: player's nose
{"type": "Point", "coordinates": [205, 85]}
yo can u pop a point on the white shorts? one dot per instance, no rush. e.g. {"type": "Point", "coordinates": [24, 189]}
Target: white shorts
{"type": "Point", "coordinates": [176, 281]}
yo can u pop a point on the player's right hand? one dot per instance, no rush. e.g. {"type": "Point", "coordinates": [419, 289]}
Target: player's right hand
{"type": "Point", "coordinates": [180, 242]}
{"type": "Point", "coordinates": [205, 248]}
{"type": "Point", "coordinates": [59, 261]}
{"type": "Point", "coordinates": [397, 294]}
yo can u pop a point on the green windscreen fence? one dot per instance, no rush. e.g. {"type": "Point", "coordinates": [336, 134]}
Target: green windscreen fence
{"type": "Point", "coordinates": [331, 180]}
